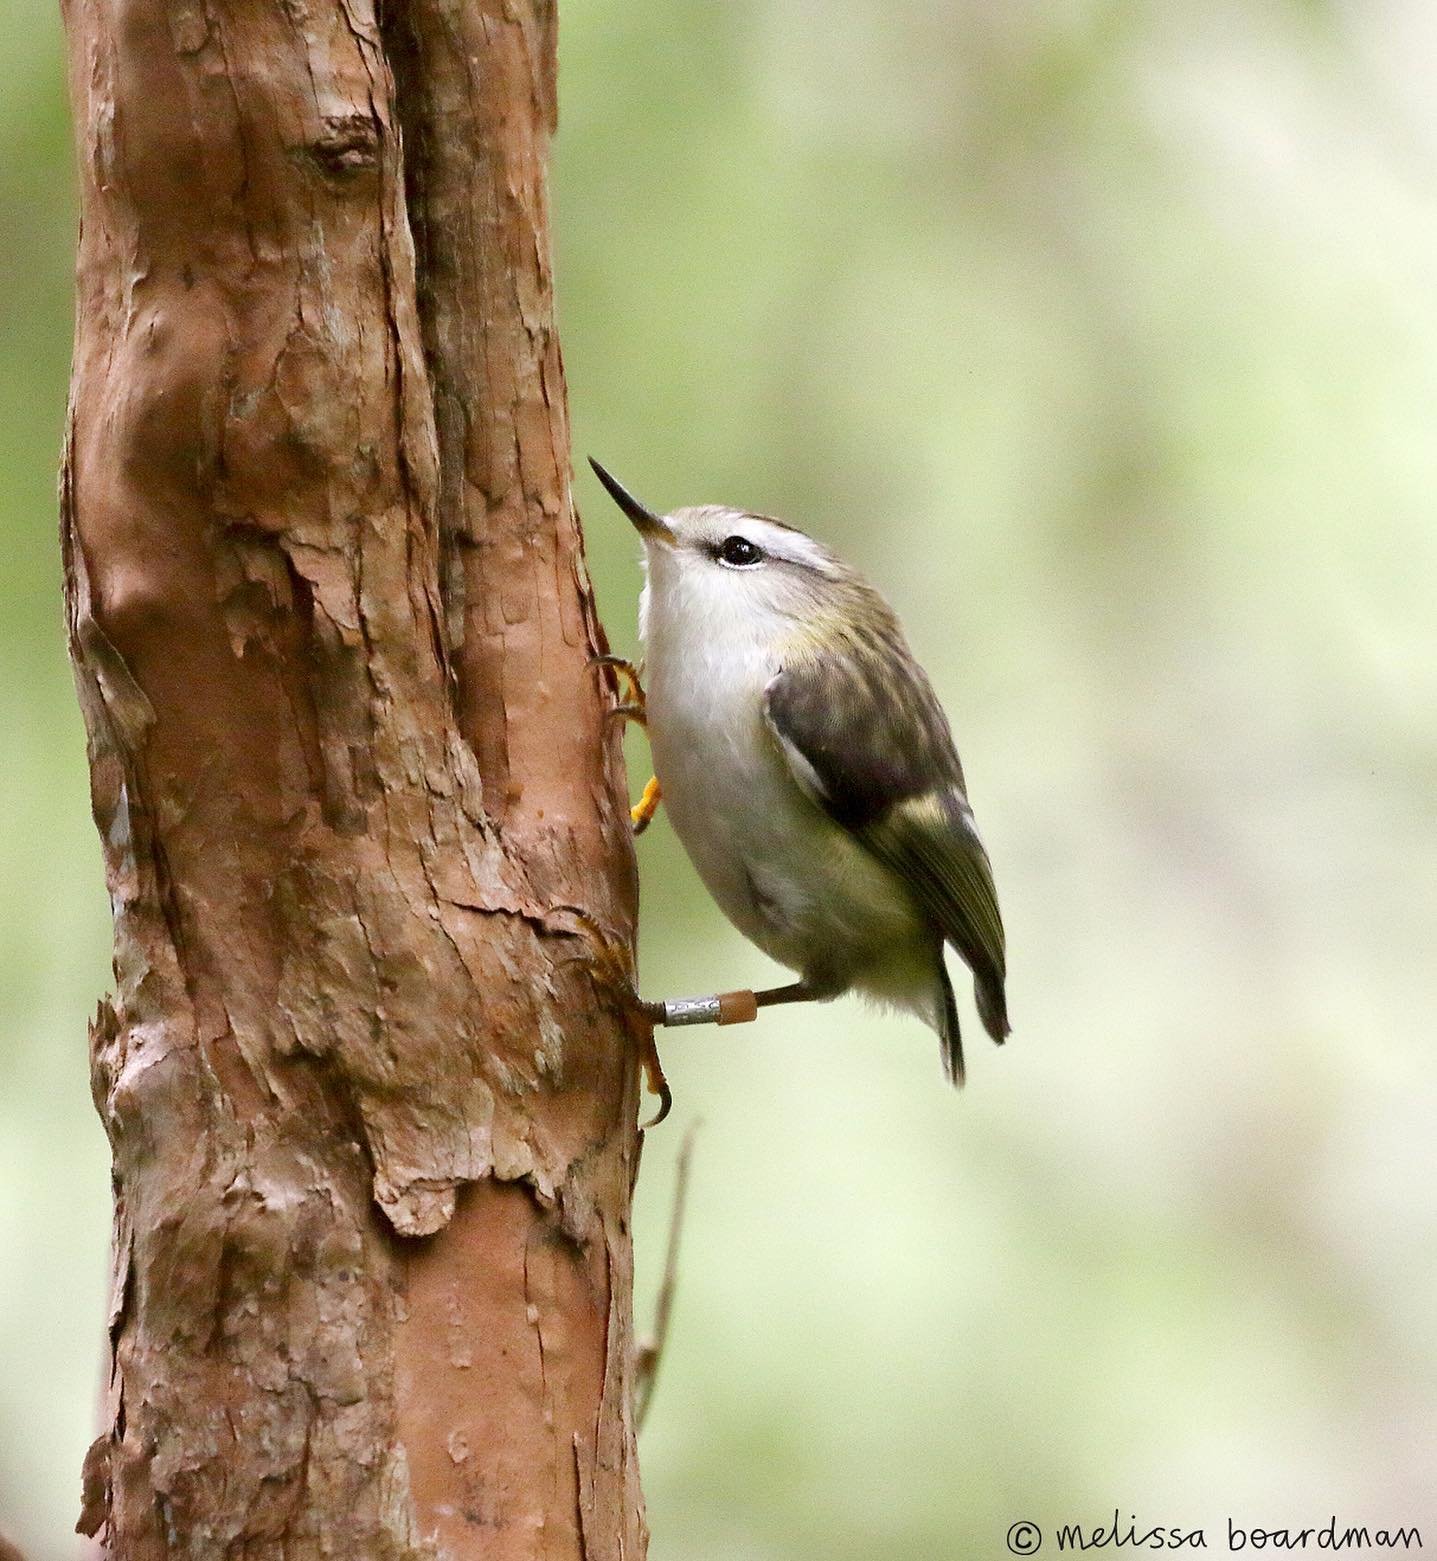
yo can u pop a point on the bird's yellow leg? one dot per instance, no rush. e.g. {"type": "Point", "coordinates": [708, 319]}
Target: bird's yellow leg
{"type": "Point", "coordinates": [641, 815]}
{"type": "Point", "coordinates": [635, 708]}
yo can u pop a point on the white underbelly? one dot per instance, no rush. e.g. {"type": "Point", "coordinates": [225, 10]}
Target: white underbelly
{"type": "Point", "coordinates": [788, 877]}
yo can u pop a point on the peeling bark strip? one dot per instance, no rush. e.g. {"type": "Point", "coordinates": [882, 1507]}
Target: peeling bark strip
{"type": "Point", "coordinates": [367, 1075]}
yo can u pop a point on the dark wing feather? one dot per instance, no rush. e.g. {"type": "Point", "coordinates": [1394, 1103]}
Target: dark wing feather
{"type": "Point", "coordinates": [867, 739]}
{"type": "Point", "coordinates": [867, 724]}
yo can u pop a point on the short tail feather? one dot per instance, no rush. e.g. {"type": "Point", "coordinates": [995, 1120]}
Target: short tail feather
{"type": "Point", "coordinates": [992, 1004]}
{"type": "Point", "coordinates": [950, 1037]}
{"type": "Point", "coordinates": [992, 1010]}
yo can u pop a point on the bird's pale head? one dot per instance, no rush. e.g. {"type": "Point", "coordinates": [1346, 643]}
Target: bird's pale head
{"type": "Point", "coordinates": [725, 573]}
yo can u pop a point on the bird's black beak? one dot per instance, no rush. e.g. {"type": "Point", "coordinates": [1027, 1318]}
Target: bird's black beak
{"type": "Point", "coordinates": [645, 521]}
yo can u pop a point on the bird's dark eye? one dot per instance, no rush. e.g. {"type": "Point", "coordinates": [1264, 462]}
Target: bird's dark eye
{"type": "Point", "coordinates": [739, 551]}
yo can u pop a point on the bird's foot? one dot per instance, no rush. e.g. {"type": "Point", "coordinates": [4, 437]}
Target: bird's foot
{"type": "Point", "coordinates": [641, 815]}
{"type": "Point", "coordinates": [740, 1007]}
{"type": "Point", "coordinates": [654, 1076]}
{"type": "Point", "coordinates": [614, 959]}
{"type": "Point", "coordinates": [725, 1008]}
{"type": "Point", "coordinates": [634, 706]}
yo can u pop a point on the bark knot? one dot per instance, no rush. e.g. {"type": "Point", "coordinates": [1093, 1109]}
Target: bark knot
{"type": "Point", "coordinates": [347, 145]}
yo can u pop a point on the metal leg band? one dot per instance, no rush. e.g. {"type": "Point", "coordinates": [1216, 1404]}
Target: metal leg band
{"type": "Point", "coordinates": [727, 1008]}
{"type": "Point", "coordinates": [690, 1010]}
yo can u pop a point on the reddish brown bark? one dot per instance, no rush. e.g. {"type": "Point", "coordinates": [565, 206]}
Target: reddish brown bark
{"type": "Point", "coordinates": [368, 1072]}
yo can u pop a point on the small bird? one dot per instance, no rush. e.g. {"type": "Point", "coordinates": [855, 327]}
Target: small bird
{"type": "Point", "coordinates": [809, 772]}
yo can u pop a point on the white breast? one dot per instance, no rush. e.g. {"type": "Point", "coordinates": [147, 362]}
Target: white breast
{"type": "Point", "coordinates": [789, 878]}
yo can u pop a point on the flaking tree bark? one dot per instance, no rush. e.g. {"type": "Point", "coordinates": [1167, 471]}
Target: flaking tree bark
{"type": "Point", "coordinates": [368, 1073]}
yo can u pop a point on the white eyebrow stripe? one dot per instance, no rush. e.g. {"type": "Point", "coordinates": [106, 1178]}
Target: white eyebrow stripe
{"type": "Point", "coordinates": [783, 543]}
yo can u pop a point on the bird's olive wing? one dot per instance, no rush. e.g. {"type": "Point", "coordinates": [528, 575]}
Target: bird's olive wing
{"type": "Point", "coordinates": [862, 729]}
{"type": "Point", "coordinates": [867, 740]}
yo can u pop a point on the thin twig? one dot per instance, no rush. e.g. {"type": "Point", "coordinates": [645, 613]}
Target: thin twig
{"type": "Point", "coordinates": [646, 1365]}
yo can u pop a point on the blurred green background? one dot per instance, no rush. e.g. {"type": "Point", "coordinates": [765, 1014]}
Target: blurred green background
{"type": "Point", "coordinates": [1103, 334]}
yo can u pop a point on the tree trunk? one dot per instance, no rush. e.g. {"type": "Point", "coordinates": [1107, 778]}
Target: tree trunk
{"type": "Point", "coordinates": [369, 1074]}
